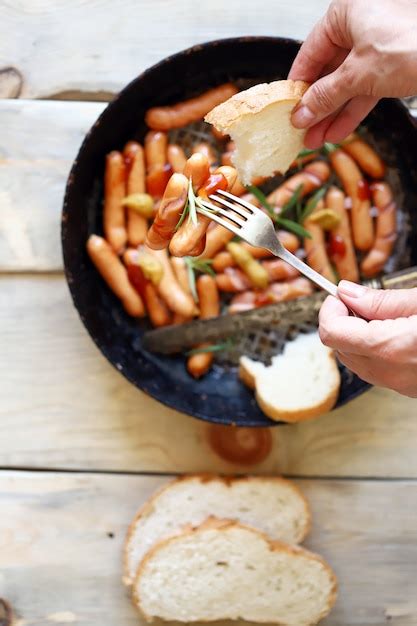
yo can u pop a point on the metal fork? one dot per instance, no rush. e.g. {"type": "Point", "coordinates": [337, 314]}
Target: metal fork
{"type": "Point", "coordinates": [256, 227]}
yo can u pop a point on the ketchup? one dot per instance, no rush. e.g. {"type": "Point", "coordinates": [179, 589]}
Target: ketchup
{"type": "Point", "coordinates": [137, 278]}
{"type": "Point", "coordinates": [157, 180]}
{"type": "Point", "coordinates": [363, 190]}
{"type": "Point", "coordinates": [213, 184]}
{"type": "Point", "coordinates": [336, 246]}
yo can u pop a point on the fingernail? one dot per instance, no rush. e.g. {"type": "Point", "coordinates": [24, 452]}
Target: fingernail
{"type": "Point", "coordinates": [302, 117]}
{"type": "Point", "coordinates": [352, 290]}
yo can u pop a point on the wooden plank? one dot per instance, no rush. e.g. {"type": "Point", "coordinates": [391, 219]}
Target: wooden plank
{"type": "Point", "coordinates": [64, 533]}
{"type": "Point", "coordinates": [46, 58]}
{"type": "Point", "coordinates": [64, 406]}
{"type": "Point", "coordinates": [38, 143]}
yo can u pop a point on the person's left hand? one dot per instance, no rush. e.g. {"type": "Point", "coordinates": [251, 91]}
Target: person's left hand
{"type": "Point", "coordinates": [382, 352]}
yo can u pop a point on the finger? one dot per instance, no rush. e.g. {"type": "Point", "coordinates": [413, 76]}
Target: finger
{"type": "Point", "coordinates": [326, 95]}
{"type": "Point", "coordinates": [315, 136]}
{"type": "Point", "coordinates": [361, 366]}
{"type": "Point", "coordinates": [349, 118]}
{"type": "Point", "coordinates": [348, 334]}
{"type": "Point", "coordinates": [317, 51]}
{"type": "Point", "coordinates": [378, 304]}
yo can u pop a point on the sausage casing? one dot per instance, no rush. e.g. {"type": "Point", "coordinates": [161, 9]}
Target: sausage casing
{"type": "Point", "coordinates": [114, 222]}
{"type": "Point", "coordinates": [386, 230]}
{"type": "Point", "coordinates": [137, 225]}
{"type": "Point", "coordinates": [346, 263]}
{"type": "Point", "coordinates": [169, 212]}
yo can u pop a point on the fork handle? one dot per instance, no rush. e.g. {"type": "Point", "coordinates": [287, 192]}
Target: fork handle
{"type": "Point", "coordinates": [305, 269]}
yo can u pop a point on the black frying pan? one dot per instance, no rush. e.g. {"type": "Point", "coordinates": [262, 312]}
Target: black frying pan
{"type": "Point", "coordinates": [219, 397]}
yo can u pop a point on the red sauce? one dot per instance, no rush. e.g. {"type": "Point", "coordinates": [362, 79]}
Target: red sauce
{"type": "Point", "coordinates": [363, 190]}
{"type": "Point", "coordinates": [241, 446]}
{"type": "Point", "coordinates": [157, 181]}
{"type": "Point", "coordinates": [137, 278]}
{"type": "Point", "coordinates": [213, 184]}
{"type": "Point", "coordinates": [336, 246]}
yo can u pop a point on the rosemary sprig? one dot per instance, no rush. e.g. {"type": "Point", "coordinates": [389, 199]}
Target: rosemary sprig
{"type": "Point", "coordinates": [216, 347]}
{"type": "Point", "coordinates": [192, 211]}
{"type": "Point", "coordinates": [306, 152]}
{"type": "Point", "coordinates": [330, 147]}
{"type": "Point", "coordinates": [293, 203]}
{"type": "Point", "coordinates": [286, 223]}
{"type": "Point", "coordinates": [294, 227]}
{"type": "Point", "coordinates": [197, 265]}
{"type": "Point", "coordinates": [255, 191]}
{"type": "Point", "coordinates": [312, 203]}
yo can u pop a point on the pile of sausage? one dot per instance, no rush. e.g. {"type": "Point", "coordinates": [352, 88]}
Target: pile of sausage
{"type": "Point", "coordinates": [145, 236]}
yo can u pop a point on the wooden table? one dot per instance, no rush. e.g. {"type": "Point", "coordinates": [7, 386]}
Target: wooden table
{"type": "Point", "coordinates": [80, 448]}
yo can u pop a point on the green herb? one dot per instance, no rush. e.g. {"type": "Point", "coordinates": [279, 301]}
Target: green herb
{"type": "Point", "coordinates": [197, 265]}
{"type": "Point", "coordinates": [293, 202]}
{"type": "Point", "coordinates": [237, 239]}
{"type": "Point", "coordinates": [192, 204]}
{"type": "Point", "coordinates": [293, 227]}
{"type": "Point", "coordinates": [330, 147]}
{"type": "Point", "coordinates": [312, 203]}
{"type": "Point", "coordinates": [306, 152]}
{"type": "Point", "coordinates": [217, 347]}
{"type": "Point", "coordinates": [262, 199]}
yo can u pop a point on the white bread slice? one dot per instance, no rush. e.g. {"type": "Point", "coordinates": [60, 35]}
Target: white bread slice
{"type": "Point", "coordinates": [259, 122]}
{"type": "Point", "coordinates": [301, 383]}
{"type": "Point", "coordinates": [274, 505]}
{"type": "Point", "coordinates": [225, 570]}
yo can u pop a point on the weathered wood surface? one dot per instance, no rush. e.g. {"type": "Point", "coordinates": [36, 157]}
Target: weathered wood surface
{"type": "Point", "coordinates": [61, 539]}
{"type": "Point", "coordinates": [38, 143]}
{"type": "Point", "coordinates": [48, 48]}
{"type": "Point", "coordinates": [64, 406]}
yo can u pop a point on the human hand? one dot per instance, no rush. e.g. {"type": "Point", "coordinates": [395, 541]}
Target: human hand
{"type": "Point", "coordinates": [359, 52]}
{"type": "Point", "coordinates": [383, 351]}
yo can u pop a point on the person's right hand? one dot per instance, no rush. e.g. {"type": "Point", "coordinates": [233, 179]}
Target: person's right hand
{"type": "Point", "coordinates": [359, 52]}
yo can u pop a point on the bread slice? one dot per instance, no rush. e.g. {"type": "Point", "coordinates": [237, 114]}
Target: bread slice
{"type": "Point", "coordinates": [259, 122]}
{"type": "Point", "coordinates": [301, 383]}
{"type": "Point", "coordinates": [271, 504]}
{"type": "Point", "coordinates": [225, 570]}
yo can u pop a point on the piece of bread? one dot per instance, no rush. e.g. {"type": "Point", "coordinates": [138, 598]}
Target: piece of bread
{"type": "Point", "coordinates": [274, 505]}
{"type": "Point", "coordinates": [259, 122]}
{"type": "Point", "coordinates": [301, 383]}
{"type": "Point", "coordinates": [225, 570]}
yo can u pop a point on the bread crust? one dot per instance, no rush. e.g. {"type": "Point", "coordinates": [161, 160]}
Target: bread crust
{"type": "Point", "coordinates": [299, 415]}
{"type": "Point", "coordinates": [254, 100]}
{"type": "Point", "coordinates": [213, 523]}
{"type": "Point", "coordinates": [206, 477]}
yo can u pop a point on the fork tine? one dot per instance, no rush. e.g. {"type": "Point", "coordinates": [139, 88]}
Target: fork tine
{"type": "Point", "coordinates": [251, 207]}
{"type": "Point", "coordinates": [225, 223]}
{"type": "Point", "coordinates": [218, 210]}
{"type": "Point", "coordinates": [230, 206]}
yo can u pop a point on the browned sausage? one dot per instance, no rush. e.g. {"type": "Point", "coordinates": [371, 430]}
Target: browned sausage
{"type": "Point", "coordinates": [316, 248]}
{"type": "Point", "coordinates": [169, 212]}
{"type": "Point", "coordinates": [346, 263]}
{"type": "Point", "coordinates": [386, 230]}
{"type": "Point", "coordinates": [205, 148]}
{"type": "Point", "coordinates": [309, 179]}
{"type": "Point", "coordinates": [365, 156]}
{"type": "Point", "coordinates": [209, 300]}
{"type": "Point", "coordinates": [176, 157]}
{"type": "Point", "coordinates": [158, 312]}
{"type": "Point", "coordinates": [217, 238]}
{"type": "Point", "coordinates": [357, 189]}
{"type": "Point", "coordinates": [114, 273]}
{"type": "Point", "coordinates": [170, 290]}
{"type": "Point", "coordinates": [192, 110]}
{"type": "Point", "coordinates": [276, 292]}
{"type": "Point", "coordinates": [197, 168]}
{"type": "Point", "coordinates": [114, 223]}
{"type": "Point", "coordinates": [137, 225]}
{"type": "Point", "coordinates": [224, 259]}
{"type": "Point", "coordinates": [181, 273]}
{"type": "Point", "coordinates": [158, 170]}
{"type": "Point", "coordinates": [279, 270]}
{"type": "Point", "coordinates": [233, 280]}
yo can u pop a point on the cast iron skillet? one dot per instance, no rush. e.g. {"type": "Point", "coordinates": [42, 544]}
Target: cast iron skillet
{"type": "Point", "coordinates": [219, 397]}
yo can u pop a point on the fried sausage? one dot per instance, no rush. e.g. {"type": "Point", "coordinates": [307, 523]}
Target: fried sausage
{"type": "Point", "coordinates": [303, 160]}
{"type": "Point", "coordinates": [192, 110]}
{"type": "Point", "coordinates": [169, 212]}
{"type": "Point", "coordinates": [176, 157]}
{"type": "Point", "coordinates": [233, 280]}
{"type": "Point", "coordinates": [224, 259]}
{"type": "Point", "coordinates": [346, 263]}
{"type": "Point", "coordinates": [134, 157]}
{"type": "Point", "coordinates": [209, 300]}
{"type": "Point", "coordinates": [357, 189]}
{"type": "Point", "coordinates": [316, 253]}
{"type": "Point", "coordinates": [230, 174]}
{"type": "Point", "coordinates": [365, 156]}
{"type": "Point", "coordinates": [181, 273]}
{"type": "Point", "coordinates": [197, 168]}
{"type": "Point", "coordinates": [176, 298]}
{"type": "Point", "coordinates": [115, 275]}
{"type": "Point", "coordinates": [205, 148]}
{"type": "Point", "coordinates": [386, 230]}
{"type": "Point", "coordinates": [158, 170]}
{"type": "Point", "coordinates": [279, 270]}
{"type": "Point", "coordinates": [217, 238]}
{"type": "Point", "coordinates": [276, 292]}
{"type": "Point", "coordinates": [309, 179]}
{"type": "Point", "coordinates": [158, 312]}
{"type": "Point", "coordinates": [114, 223]}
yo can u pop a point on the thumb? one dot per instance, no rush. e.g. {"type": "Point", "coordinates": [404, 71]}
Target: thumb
{"type": "Point", "coordinates": [378, 304]}
{"type": "Point", "coordinates": [326, 96]}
